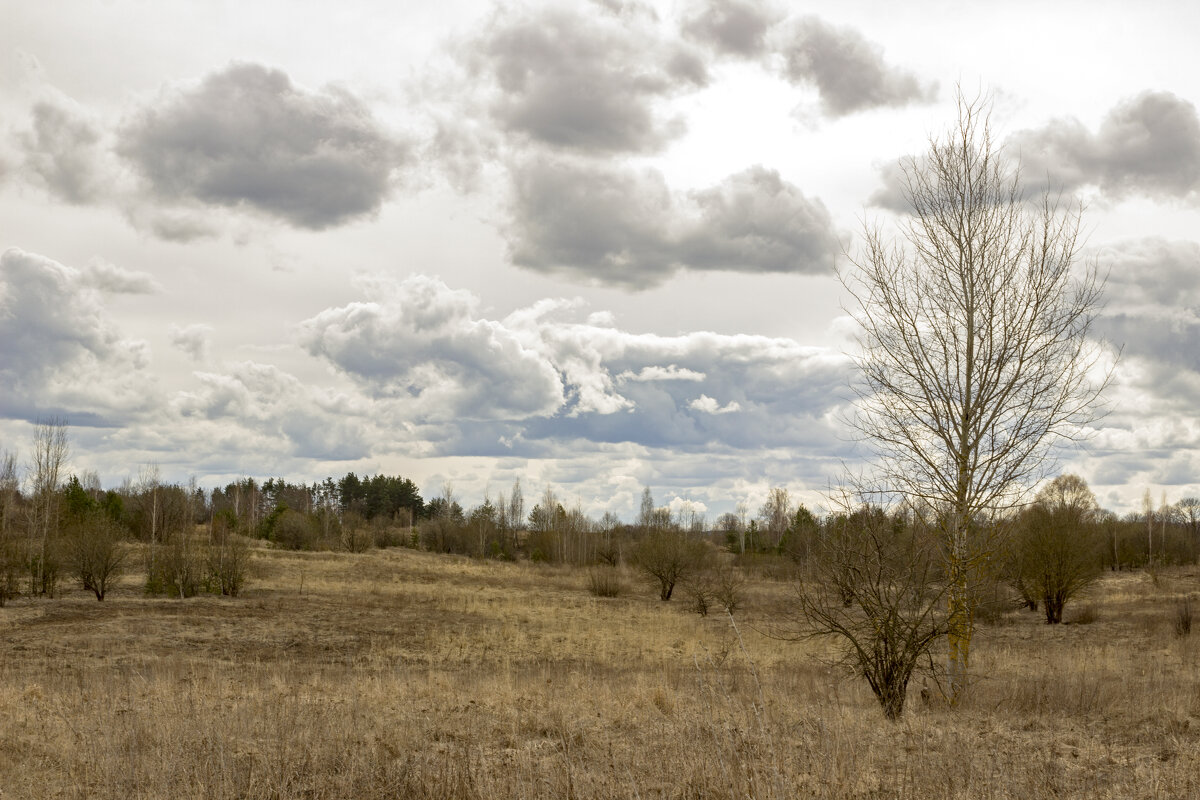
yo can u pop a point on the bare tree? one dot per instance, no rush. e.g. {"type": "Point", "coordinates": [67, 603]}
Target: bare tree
{"type": "Point", "coordinates": [50, 452]}
{"type": "Point", "coordinates": [975, 358]}
{"type": "Point", "coordinates": [873, 584]}
{"type": "Point", "coordinates": [10, 556]}
{"type": "Point", "coordinates": [95, 554]}
{"type": "Point", "coordinates": [668, 556]}
{"type": "Point", "coordinates": [1189, 509]}
{"type": "Point", "coordinates": [776, 515]}
{"type": "Point", "coordinates": [1057, 552]}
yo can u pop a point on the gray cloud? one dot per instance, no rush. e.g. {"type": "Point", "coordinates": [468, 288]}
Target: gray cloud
{"type": "Point", "coordinates": [62, 152]}
{"type": "Point", "coordinates": [1154, 314]}
{"type": "Point", "coordinates": [270, 403]}
{"type": "Point", "coordinates": [846, 68]}
{"type": "Point", "coordinates": [537, 379]}
{"type": "Point", "coordinates": [117, 280]}
{"type": "Point", "coordinates": [246, 137]}
{"type": "Point", "coordinates": [585, 81]}
{"type": "Point", "coordinates": [422, 344]}
{"type": "Point", "coordinates": [625, 227]}
{"type": "Point", "coordinates": [62, 353]}
{"type": "Point", "coordinates": [194, 340]}
{"type": "Point", "coordinates": [732, 27]}
{"type": "Point", "coordinates": [1147, 145]}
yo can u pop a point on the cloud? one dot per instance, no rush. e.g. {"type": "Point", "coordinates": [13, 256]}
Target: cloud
{"type": "Point", "coordinates": [848, 70]}
{"type": "Point", "coordinates": [117, 280]}
{"type": "Point", "coordinates": [194, 340]}
{"type": "Point", "coordinates": [247, 138]}
{"type": "Point", "coordinates": [731, 27]}
{"type": "Point", "coordinates": [708, 405]}
{"type": "Point", "coordinates": [540, 379]}
{"type": "Point", "coordinates": [62, 152]}
{"type": "Point", "coordinates": [62, 352]}
{"type": "Point", "coordinates": [671, 372]}
{"type": "Point", "coordinates": [422, 344]}
{"type": "Point", "coordinates": [266, 401]}
{"type": "Point", "coordinates": [625, 227]}
{"type": "Point", "coordinates": [1154, 301]}
{"type": "Point", "coordinates": [1148, 145]}
{"type": "Point", "coordinates": [581, 79]}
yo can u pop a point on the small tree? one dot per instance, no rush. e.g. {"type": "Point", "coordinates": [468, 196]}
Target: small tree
{"type": "Point", "coordinates": [873, 583]}
{"type": "Point", "coordinates": [1058, 548]}
{"type": "Point", "coordinates": [94, 553]}
{"type": "Point", "coordinates": [668, 556]}
{"type": "Point", "coordinates": [228, 563]}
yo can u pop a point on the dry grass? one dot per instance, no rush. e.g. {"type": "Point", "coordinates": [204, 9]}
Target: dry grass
{"type": "Point", "coordinates": [402, 674]}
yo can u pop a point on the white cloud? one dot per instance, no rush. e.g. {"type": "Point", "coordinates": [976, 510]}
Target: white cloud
{"type": "Point", "coordinates": [62, 351]}
{"type": "Point", "coordinates": [195, 340]}
{"type": "Point", "coordinates": [708, 405]}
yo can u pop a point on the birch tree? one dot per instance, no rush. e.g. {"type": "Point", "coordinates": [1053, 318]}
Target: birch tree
{"type": "Point", "coordinates": [50, 450]}
{"type": "Point", "coordinates": [974, 350]}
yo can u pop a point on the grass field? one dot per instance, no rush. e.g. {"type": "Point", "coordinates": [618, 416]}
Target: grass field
{"type": "Point", "coordinates": [404, 674]}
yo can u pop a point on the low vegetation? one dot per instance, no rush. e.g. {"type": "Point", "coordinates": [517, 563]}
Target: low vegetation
{"type": "Point", "coordinates": [398, 673]}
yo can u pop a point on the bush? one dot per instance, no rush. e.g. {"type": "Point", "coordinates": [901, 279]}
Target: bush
{"type": "Point", "coordinates": [874, 585]}
{"type": "Point", "coordinates": [668, 557]}
{"type": "Point", "coordinates": [715, 588]}
{"type": "Point", "coordinates": [95, 554]}
{"type": "Point", "coordinates": [174, 568]}
{"type": "Point", "coordinates": [605, 582]}
{"type": "Point", "coordinates": [1182, 619]}
{"type": "Point", "coordinates": [357, 539]}
{"type": "Point", "coordinates": [228, 562]}
{"type": "Point", "coordinates": [10, 570]}
{"type": "Point", "coordinates": [292, 530]}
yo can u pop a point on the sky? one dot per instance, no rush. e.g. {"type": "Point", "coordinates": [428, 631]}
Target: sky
{"type": "Point", "coordinates": [589, 245]}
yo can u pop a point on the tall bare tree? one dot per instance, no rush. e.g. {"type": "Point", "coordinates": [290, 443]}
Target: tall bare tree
{"type": "Point", "coordinates": [10, 556]}
{"type": "Point", "coordinates": [50, 450]}
{"type": "Point", "coordinates": [974, 354]}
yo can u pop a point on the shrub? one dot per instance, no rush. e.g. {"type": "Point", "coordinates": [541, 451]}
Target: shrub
{"type": "Point", "coordinates": [605, 582]}
{"type": "Point", "coordinates": [10, 570]}
{"type": "Point", "coordinates": [95, 554]}
{"type": "Point", "coordinates": [700, 595]}
{"type": "Point", "coordinates": [1182, 617]}
{"type": "Point", "coordinates": [174, 568]}
{"type": "Point", "coordinates": [228, 562]}
{"type": "Point", "coordinates": [873, 584]}
{"type": "Point", "coordinates": [668, 557]}
{"type": "Point", "coordinates": [357, 539]}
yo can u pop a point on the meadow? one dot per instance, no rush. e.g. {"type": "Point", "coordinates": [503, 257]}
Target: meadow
{"type": "Point", "coordinates": [398, 673]}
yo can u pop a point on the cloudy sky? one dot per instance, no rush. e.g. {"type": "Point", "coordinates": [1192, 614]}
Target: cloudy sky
{"type": "Point", "coordinates": [586, 244]}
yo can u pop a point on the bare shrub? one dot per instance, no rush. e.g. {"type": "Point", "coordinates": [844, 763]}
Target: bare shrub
{"type": "Point", "coordinates": [11, 564]}
{"type": "Point", "coordinates": [357, 538]}
{"type": "Point", "coordinates": [700, 595]}
{"type": "Point", "coordinates": [228, 563]}
{"type": "Point", "coordinates": [95, 554]}
{"type": "Point", "coordinates": [668, 557]}
{"type": "Point", "coordinates": [875, 586]}
{"type": "Point", "coordinates": [719, 587]}
{"type": "Point", "coordinates": [1182, 618]}
{"type": "Point", "coordinates": [729, 588]}
{"type": "Point", "coordinates": [1057, 552]}
{"type": "Point", "coordinates": [605, 582]}
{"type": "Point", "coordinates": [174, 568]}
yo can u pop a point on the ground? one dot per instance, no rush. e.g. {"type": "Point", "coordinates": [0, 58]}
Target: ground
{"type": "Point", "coordinates": [404, 674]}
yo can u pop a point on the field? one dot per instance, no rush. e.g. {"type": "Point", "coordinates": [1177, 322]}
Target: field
{"type": "Point", "coordinates": [404, 674]}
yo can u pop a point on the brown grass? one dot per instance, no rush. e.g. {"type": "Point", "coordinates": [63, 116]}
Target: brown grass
{"type": "Point", "coordinates": [402, 674]}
